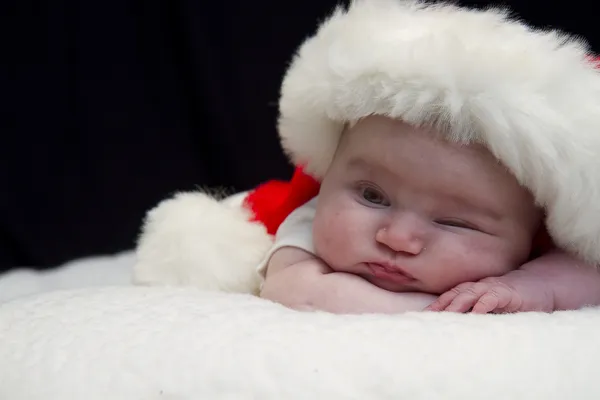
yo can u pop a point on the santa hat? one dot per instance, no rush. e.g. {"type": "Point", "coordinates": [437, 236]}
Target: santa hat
{"type": "Point", "coordinates": [532, 97]}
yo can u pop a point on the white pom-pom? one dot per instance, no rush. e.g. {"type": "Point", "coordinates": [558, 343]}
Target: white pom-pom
{"type": "Point", "coordinates": [196, 240]}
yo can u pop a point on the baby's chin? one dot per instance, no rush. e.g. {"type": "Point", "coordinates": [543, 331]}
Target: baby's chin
{"type": "Point", "coordinates": [391, 286]}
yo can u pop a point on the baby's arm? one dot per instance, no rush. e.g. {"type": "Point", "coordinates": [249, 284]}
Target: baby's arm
{"type": "Point", "coordinates": [572, 283]}
{"type": "Point", "coordinates": [299, 280]}
{"type": "Point", "coordinates": [551, 282]}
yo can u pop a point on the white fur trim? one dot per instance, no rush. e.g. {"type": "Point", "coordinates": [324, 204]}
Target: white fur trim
{"type": "Point", "coordinates": [531, 96]}
{"type": "Point", "coordinates": [195, 240]}
{"type": "Point", "coordinates": [154, 343]}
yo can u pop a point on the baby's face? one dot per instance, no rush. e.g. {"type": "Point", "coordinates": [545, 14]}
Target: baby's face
{"type": "Point", "coordinates": [412, 213]}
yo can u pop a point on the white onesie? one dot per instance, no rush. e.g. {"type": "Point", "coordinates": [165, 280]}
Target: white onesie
{"type": "Point", "coordinates": [294, 231]}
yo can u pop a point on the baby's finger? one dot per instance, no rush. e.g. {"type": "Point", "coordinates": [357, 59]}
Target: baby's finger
{"type": "Point", "coordinates": [470, 294]}
{"type": "Point", "coordinates": [496, 299]}
{"type": "Point", "coordinates": [487, 303]}
{"type": "Point", "coordinates": [448, 297]}
{"type": "Point", "coordinates": [463, 302]}
{"type": "Point", "coordinates": [442, 301]}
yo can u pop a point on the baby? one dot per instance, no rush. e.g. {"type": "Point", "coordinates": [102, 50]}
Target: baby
{"type": "Point", "coordinates": [405, 220]}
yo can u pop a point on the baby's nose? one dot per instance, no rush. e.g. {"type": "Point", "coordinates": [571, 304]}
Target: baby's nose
{"type": "Point", "coordinates": [401, 237]}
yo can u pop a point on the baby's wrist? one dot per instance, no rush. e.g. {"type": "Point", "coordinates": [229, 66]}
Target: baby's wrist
{"type": "Point", "coordinates": [535, 292]}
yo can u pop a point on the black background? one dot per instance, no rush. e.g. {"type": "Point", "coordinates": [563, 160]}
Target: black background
{"type": "Point", "coordinates": [110, 106]}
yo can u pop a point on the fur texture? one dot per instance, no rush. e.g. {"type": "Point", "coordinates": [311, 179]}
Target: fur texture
{"type": "Point", "coordinates": [184, 344]}
{"type": "Point", "coordinates": [196, 240]}
{"type": "Point", "coordinates": [533, 97]}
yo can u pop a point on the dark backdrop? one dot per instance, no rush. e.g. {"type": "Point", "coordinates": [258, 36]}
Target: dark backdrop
{"type": "Point", "coordinates": [110, 106]}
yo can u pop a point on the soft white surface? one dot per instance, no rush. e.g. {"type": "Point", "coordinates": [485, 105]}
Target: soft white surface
{"type": "Point", "coordinates": [87, 272]}
{"type": "Point", "coordinates": [152, 343]}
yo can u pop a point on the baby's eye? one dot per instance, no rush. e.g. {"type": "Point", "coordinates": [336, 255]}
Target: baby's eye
{"type": "Point", "coordinates": [456, 224]}
{"type": "Point", "coordinates": [374, 196]}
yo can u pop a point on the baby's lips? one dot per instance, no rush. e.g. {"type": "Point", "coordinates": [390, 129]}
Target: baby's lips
{"type": "Point", "coordinates": [390, 273]}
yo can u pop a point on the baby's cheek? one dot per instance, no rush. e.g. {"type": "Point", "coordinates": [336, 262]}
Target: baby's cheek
{"type": "Point", "coordinates": [456, 264]}
{"type": "Point", "coordinates": [480, 261]}
{"type": "Point", "coordinates": [326, 232]}
{"type": "Point", "coordinates": [330, 235]}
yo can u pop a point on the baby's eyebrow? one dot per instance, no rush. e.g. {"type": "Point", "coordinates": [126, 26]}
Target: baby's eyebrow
{"type": "Point", "coordinates": [357, 162]}
{"type": "Point", "coordinates": [361, 164]}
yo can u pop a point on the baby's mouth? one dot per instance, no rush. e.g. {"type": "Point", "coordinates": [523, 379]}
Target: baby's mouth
{"type": "Point", "coordinates": [390, 273]}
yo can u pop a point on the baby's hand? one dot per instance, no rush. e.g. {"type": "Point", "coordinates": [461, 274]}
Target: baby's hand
{"type": "Point", "coordinates": [513, 292]}
{"type": "Point", "coordinates": [485, 296]}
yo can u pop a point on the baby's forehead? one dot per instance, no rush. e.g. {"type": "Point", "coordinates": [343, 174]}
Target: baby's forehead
{"type": "Point", "coordinates": [370, 135]}
{"type": "Point", "coordinates": [388, 147]}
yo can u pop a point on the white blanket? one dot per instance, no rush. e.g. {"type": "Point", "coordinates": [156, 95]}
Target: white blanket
{"type": "Point", "coordinates": [151, 343]}
{"type": "Point", "coordinates": [85, 272]}
{"type": "Point", "coordinates": [145, 343]}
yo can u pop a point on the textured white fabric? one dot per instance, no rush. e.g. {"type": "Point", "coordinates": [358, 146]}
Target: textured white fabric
{"type": "Point", "coordinates": [295, 231]}
{"type": "Point", "coordinates": [106, 270]}
{"type": "Point", "coordinates": [183, 344]}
